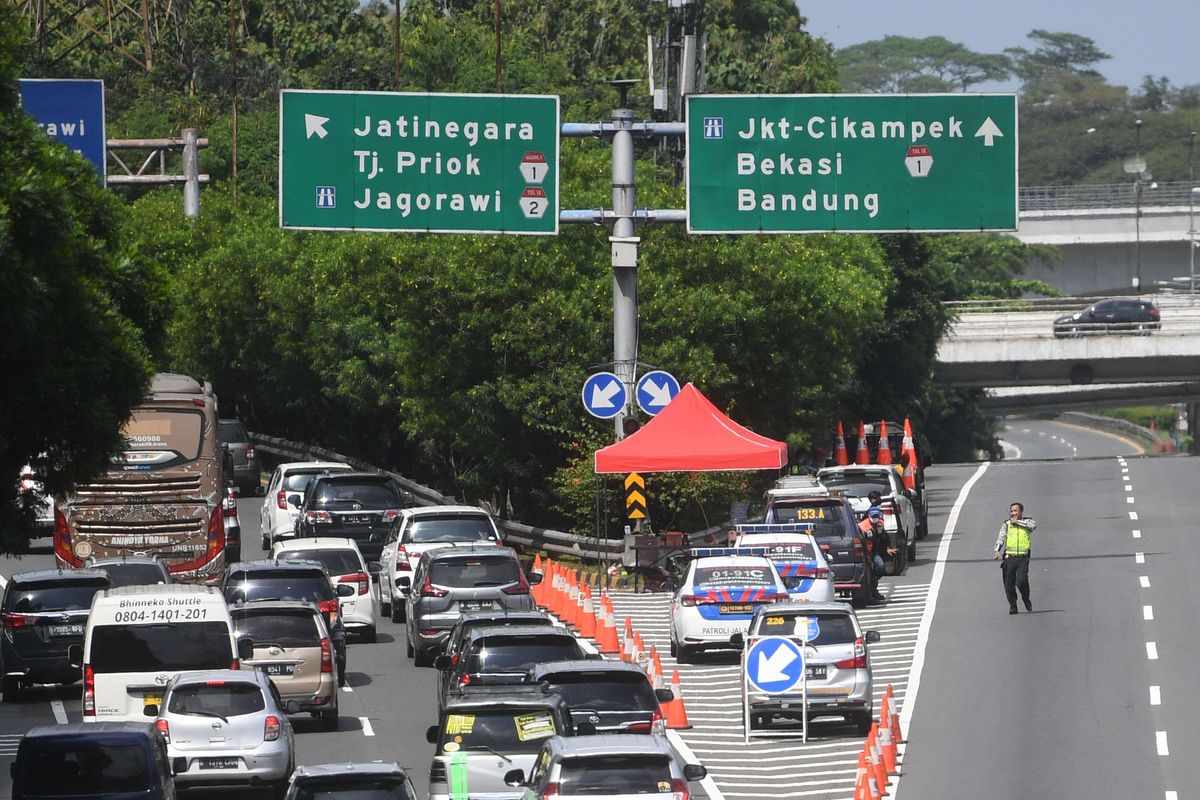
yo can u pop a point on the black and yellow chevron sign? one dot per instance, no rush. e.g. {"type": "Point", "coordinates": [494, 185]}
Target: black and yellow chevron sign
{"type": "Point", "coordinates": [635, 496]}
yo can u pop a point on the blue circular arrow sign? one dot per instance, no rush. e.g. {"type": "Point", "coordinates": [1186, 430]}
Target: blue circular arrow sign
{"type": "Point", "coordinates": [604, 395]}
{"type": "Point", "coordinates": [774, 664]}
{"type": "Point", "coordinates": [655, 389]}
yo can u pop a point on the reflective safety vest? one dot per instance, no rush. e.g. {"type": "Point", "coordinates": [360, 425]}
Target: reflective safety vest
{"type": "Point", "coordinates": [1016, 539]}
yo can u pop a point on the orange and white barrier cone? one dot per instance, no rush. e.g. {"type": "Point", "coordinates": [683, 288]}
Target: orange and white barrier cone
{"type": "Point", "coordinates": [883, 454]}
{"type": "Point", "coordinates": [587, 616]}
{"type": "Point", "coordinates": [862, 455]}
{"type": "Point", "coordinates": [607, 636]}
{"type": "Point", "coordinates": [840, 456]}
{"type": "Point", "coordinates": [675, 712]}
{"type": "Point", "coordinates": [627, 649]}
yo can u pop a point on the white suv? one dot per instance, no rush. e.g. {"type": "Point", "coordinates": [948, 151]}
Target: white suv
{"type": "Point", "coordinates": [421, 530]}
{"type": "Point", "coordinates": [277, 520]}
{"type": "Point", "coordinates": [345, 564]}
{"type": "Point", "coordinates": [856, 481]}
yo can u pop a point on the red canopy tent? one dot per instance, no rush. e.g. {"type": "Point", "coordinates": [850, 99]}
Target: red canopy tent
{"type": "Point", "coordinates": [691, 435]}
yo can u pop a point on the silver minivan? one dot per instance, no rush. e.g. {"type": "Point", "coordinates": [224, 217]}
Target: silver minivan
{"type": "Point", "coordinates": [837, 665]}
{"type": "Point", "coordinates": [452, 580]}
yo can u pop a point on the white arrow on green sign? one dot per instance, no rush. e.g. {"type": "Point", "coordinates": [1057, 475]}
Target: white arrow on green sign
{"type": "Point", "coordinates": [857, 163]}
{"type": "Point", "coordinates": [445, 163]}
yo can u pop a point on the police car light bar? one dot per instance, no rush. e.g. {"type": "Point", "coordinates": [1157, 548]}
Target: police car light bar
{"type": "Point", "coordinates": [766, 552]}
{"type": "Point", "coordinates": [775, 527]}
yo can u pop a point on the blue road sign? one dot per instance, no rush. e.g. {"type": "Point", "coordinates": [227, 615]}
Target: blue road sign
{"type": "Point", "coordinates": [604, 395]}
{"type": "Point", "coordinates": [656, 389]}
{"type": "Point", "coordinates": [775, 664]}
{"type": "Point", "coordinates": [71, 112]}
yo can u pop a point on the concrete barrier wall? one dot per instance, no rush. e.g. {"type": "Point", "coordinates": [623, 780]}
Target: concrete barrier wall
{"type": "Point", "coordinates": [1121, 426]}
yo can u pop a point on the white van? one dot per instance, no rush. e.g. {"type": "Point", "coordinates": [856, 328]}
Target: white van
{"type": "Point", "coordinates": [139, 636]}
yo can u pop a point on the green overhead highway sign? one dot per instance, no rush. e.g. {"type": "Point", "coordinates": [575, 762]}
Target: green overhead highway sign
{"type": "Point", "coordinates": [444, 163]}
{"type": "Point", "coordinates": [858, 163]}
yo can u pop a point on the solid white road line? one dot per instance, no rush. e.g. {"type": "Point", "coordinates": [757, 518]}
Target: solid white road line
{"type": "Point", "coordinates": [60, 713]}
{"type": "Point", "coordinates": [1148, 613]}
{"type": "Point", "coordinates": [1152, 651]}
{"type": "Point", "coordinates": [1139, 558]}
{"type": "Point", "coordinates": [1160, 739]}
{"type": "Point", "coordinates": [3, 581]}
{"type": "Point", "coordinates": [1144, 580]}
{"type": "Point", "coordinates": [366, 726]}
{"type": "Point", "coordinates": [710, 786]}
{"type": "Point", "coordinates": [1155, 696]}
{"type": "Point", "coordinates": [939, 570]}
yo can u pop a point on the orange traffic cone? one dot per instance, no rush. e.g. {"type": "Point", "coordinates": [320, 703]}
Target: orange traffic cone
{"type": "Point", "coordinates": [606, 638]}
{"type": "Point", "coordinates": [639, 648]}
{"type": "Point", "coordinates": [587, 616]}
{"type": "Point", "coordinates": [675, 712]}
{"type": "Point", "coordinates": [627, 649]}
{"type": "Point", "coordinates": [875, 762]}
{"type": "Point", "coordinates": [884, 453]}
{"type": "Point", "coordinates": [862, 455]}
{"type": "Point", "coordinates": [840, 456]}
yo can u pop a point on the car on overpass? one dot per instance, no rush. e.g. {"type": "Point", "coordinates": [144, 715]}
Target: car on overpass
{"type": "Point", "coordinates": [1108, 317]}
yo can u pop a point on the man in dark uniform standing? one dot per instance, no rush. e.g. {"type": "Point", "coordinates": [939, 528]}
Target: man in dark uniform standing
{"type": "Point", "coordinates": [1013, 545]}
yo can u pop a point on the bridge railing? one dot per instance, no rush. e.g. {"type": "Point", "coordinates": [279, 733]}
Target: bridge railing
{"type": "Point", "coordinates": [1062, 305]}
{"type": "Point", "coordinates": [1104, 195]}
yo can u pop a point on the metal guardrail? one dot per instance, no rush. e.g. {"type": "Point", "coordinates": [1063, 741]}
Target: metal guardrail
{"type": "Point", "coordinates": [1105, 195]}
{"type": "Point", "coordinates": [1164, 300]}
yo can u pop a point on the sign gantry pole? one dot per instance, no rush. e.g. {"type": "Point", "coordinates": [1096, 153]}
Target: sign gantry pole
{"type": "Point", "coordinates": [624, 251]}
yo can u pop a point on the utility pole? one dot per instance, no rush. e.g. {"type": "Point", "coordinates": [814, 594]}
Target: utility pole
{"type": "Point", "coordinates": [1192, 213]}
{"type": "Point", "coordinates": [624, 249]}
{"type": "Point", "coordinates": [1137, 199]}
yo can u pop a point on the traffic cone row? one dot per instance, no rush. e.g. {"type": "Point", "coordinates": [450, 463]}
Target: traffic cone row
{"type": "Point", "coordinates": [880, 755]}
{"type": "Point", "coordinates": [883, 453]}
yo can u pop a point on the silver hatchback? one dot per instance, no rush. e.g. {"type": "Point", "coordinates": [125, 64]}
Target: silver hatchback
{"type": "Point", "coordinates": [226, 727]}
{"type": "Point", "coordinates": [450, 581]}
{"type": "Point", "coordinates": [837, 665]}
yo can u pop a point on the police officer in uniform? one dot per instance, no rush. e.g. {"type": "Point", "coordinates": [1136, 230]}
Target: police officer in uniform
{"type": "Point", "coordinates": [1013, 545]}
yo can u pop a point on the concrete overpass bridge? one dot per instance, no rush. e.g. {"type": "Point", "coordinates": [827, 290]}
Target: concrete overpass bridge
{"type": "Point", "coordinates": [1104, 242]}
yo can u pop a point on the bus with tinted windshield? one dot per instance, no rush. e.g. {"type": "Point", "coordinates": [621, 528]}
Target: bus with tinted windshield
{"type": "Point", "coordinates": [161, 494]}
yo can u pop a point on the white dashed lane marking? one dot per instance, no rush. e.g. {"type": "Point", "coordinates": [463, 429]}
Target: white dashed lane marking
{"type": "Point", "coordinates": [1160, 740]}
{"type": "Point", "coordinates": [1144, 580]}
{"type": "Point", "coordinates": [1155, 696]}
{"type": "Point", "coordinates": [1139, 558]}
{"type": "Point", "coordinates": [1137, 534]}
{"type": "Point", "coordinates": [1148, 613]}
{"type": "Point", "coordinates": [1133, 515]}
{"type": "Point", "coordinates": [1152, 651]}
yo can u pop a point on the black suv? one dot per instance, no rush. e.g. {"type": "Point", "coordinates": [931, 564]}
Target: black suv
{"type": "Point", "coordinates": [45, 612]}
{"type": "Point", "coordinates": [1110, 316]}
{"type": "Point", "coordinates": [837, 534]}
{"type": "Point", "coordinates": [362, 506]}
{"type": "Point", "coordinates": [250, 581]}
{"type": "Point", "coordinates": [612, 696]}
{"type": "Point", "coordinates": [93, 760]}
{"type": "Point", "coordinates": [504, 654]}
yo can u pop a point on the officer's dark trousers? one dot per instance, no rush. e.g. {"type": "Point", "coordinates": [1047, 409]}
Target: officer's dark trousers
{"type": "Point", "coordinates": [1016, 576]}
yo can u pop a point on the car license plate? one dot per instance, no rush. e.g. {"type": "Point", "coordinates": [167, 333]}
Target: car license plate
{"type": "Point", "coordinates": [738, 608]}
{"type": "Point", "coordinates": [152, 700]}
{"type": "Point", "coordinates": [357, 519]}
{"type": "Point", "coordinates": [474, 605]}
{"type": "Point", "coordinates": [232, 762]}
{"type": "Point", "coordinates": [66, 630]}
{"type": "Point", "coordinates": [276, 670]}
{"type": "Point", "coordinates": [816, 672]}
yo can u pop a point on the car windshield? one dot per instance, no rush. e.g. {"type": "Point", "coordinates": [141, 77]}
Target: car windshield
{"type": "Point", "coordinates": [475, 571]}
{"type": "Point", "coordinates": [604, 776]}
{"type": "Point", "coordinates": [133, 574]}
{"type": "Point", "coordinates": [828, 518]}
{"type": "Point", "coordinates": [509, 730]}
{"type": "Point", "coordinates": [781, 549]}
{"type": "Point", "coordinates": [155, 648]}
{"type": "Point", "coordinates": [354, 787]}
{"type": "Point", "coordinates": [519, 652]}
{"type": "Point", "coordinates": [165, 429]}
{"type": "Point", "coordinates": [68, 767]}
{"type": "Point", "coordinates": [223, 698]}
{"type": "Point", "coordinates": [463, 528]}
{"type": "Point", "coordinates": [275, 586]}
{"type": "Point", "coordinates": [828, 628]}
{"type": "Point", "coordinates": [604, 691]}
{"type": "Point", "coordinates": [285, 629]}
{"type": "Point", "coordinates": [857, 484]}
{"type": "Point", "coordinates": [733, 575]}
{"type": "Point", "coordinates": [34, 598]}
{"type": "Point", "coordinates": [368, 495]}
{"type": "Point", "coordinates": [232, 433]}
{"type": "Point", "coordinates": [298, 481]}
{"type": "Point", "coordinates": [336, 562]}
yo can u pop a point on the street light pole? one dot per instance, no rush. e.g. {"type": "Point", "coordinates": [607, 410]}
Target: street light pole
{"type": "Point", "coordinates": [1137, 201]}
{"type": "Point", "coordinates": [1192, 190]}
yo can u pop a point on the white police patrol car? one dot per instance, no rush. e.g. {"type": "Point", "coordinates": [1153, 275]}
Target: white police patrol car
{"type": "Point", "coordinates": [796, 554]}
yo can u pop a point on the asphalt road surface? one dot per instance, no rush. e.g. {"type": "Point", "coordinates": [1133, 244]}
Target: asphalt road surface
{"type": "Point", "coordinates": [1037, 439]}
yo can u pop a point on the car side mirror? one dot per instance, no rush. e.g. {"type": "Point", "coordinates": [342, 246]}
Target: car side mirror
{"type": "Point", "coordinates": [150, 710]}
{"type": "Point", "coordinates": [872, 636]}
{"type": "Point", "coordinates": [245, 648]}
{"type": "Point", "coordinates": [593, 657]}
{"type": "Point", "coordinates": [294, 499]}
{"type": "Point", "coordinates": [404, 582]}
{"type": "Point", "coordinates": [431, 734]}
{"type": "Point", "coordinates": [514, 777]}
{"type": "Point", "coordinates": [442, 662]}
{"type": "Point", "coordinates": [737, 640]}
{"type": "Point", "coordinates": [75, 656]}
{"type": "Point", "coordinates": [792, 583]}
{"type": "Point", "coordinates": [346, 590]}
{"type": "Point", "coordinates": [534, 578]}
{"type": "Point", "coordinates": [375, 537]}
{"type": "Point", "coordinates": [695, 772]}
{"type": "Point", "coordinates": [292, 706]}
{"type": "Point", "coordinates": [374, 568]}
{"type": "Point", "coordinates": [179, 765]}
{"type": "Point", "coordinates": [664, 695]}
{"type": "Point", "coordinates": [408, 499]}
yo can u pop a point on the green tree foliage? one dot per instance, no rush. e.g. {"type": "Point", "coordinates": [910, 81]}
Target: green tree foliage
{"type": "Point", "coordinates": [1056, 52]}
{"type": "Point", "coordinates": [75, 307]}
{"type": "Point", "coordinates": [904, 64]}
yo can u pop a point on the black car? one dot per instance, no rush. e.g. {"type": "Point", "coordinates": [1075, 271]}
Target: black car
{"type": "Point", "coordinates": [249, 581]}
{"type": "Point", "coordinates": [836, 531]}
{"type": "Point", "coordinates": [376, 780]}
{"type": "Point", "coordinates": [612, 696]}
{"type": "Point", "coordinates": [504, 654]}
{"type": "Point", "coordinates": [133, 570]}
{"type": "Point", "coordinates": [45, 612]}
{"type": "Point", "coordinates": [1110, 316]}
{"type": "Point", "coordinates": [362, 506]}
{"type": "Point", "coordinates": [473, 620]}
{"type": "Point", "coordinates": [247, 471]}
{"type": "Point", "coordinates": [93, 761]}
